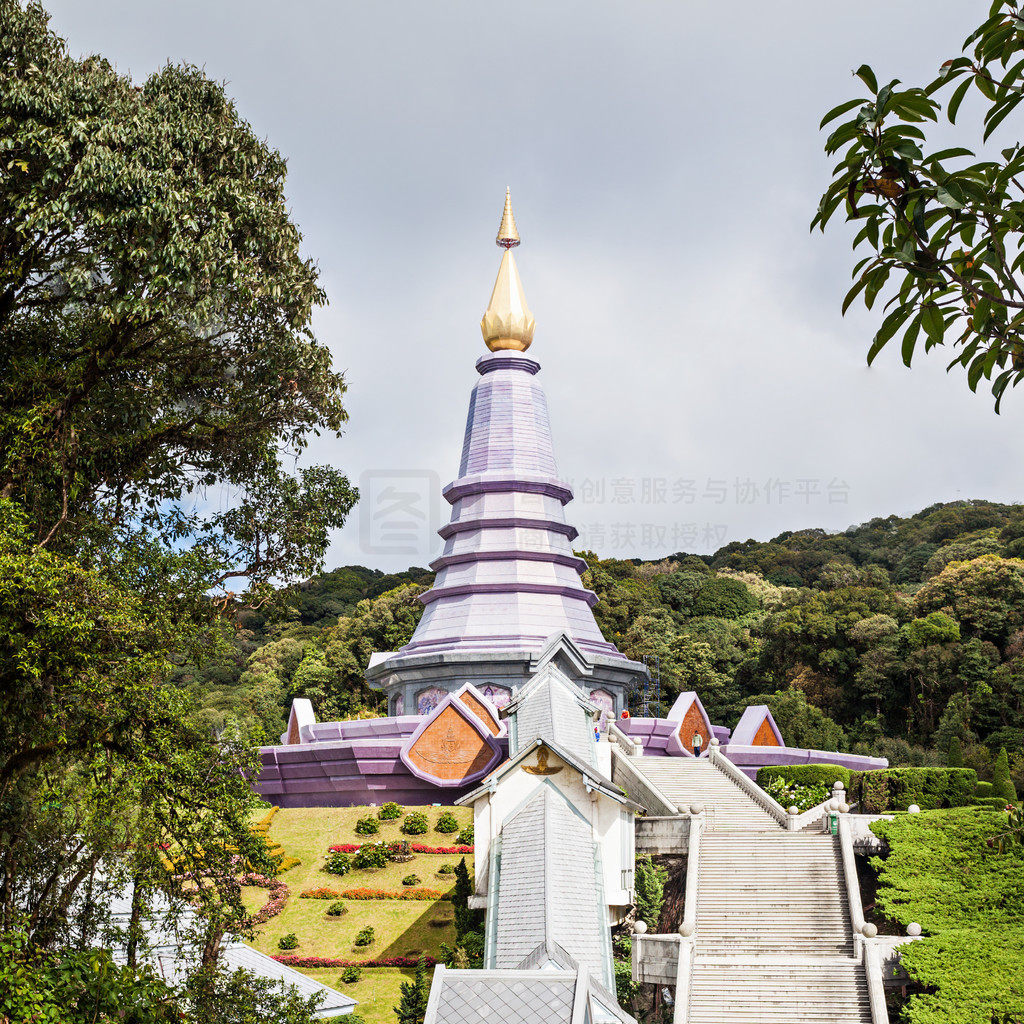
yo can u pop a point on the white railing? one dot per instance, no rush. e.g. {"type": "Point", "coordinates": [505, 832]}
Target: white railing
{"type": "Point", "coordinates": [692, 875]}
{"type": "Point", "coordinates": [639, 787]}
{"type": "Point", "coordinates": [876, 982]}
{"type": "Point", "coordinates": [752, 789]}
{"type": "Point", "coordinates": [850, 875]}
{"type": "Point", "coordinates": [630, 747]}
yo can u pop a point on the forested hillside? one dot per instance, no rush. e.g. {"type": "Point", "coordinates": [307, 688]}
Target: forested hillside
{"type": "Point", "coordinates": [892, 637]}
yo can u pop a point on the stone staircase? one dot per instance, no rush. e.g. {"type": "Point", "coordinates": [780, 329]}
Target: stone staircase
{"type": "Point", "coordinates": [774, 943]}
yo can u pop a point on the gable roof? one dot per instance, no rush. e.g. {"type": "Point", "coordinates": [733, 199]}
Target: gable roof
{"type": "Point", "coordinates": [750, 722]}
{"type": "Point", "coordinates": [551, 706]}
{"type": "Point", "coordinates": [548, 888]}
{"type": "Point", "coordinates": [518, 997]}
{"type": "Point", "coordinates": [592, 778]}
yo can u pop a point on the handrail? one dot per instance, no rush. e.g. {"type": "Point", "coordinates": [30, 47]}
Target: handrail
{"type": "Point", "coordinates": [692, 874]}
{"type": "Point", "coordinates": [684, 976]}
{"type": "Point", "coordinates": [628, 744]}
{"type": "Point", "coordinates": [876, 983]}
{"type": "Point", "coordinates": [659, 803]}
{"type": "Point", "coordinates": [850, 876]}
{"type": "Point", "coordinates": [815, 813]}
{"type": "Point", "coordinates": [752, 789]}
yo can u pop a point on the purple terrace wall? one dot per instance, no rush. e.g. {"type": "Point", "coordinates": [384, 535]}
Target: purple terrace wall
{"type": "Point", "coordinates": [347, 773]}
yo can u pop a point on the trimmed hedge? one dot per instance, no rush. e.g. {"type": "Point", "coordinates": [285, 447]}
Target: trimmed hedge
{"type": "Point", "coordinates": [995, 802]}
{"type": "Point", "coordinates": [984, 789]}
{"type": "Point", "coordinates": [806, 774]}
{"type": "Point", "coordinates": [895, 789]}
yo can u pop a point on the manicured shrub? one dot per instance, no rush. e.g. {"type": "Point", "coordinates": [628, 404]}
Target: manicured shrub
{"type": "Point", "coordinates": [367, 826]}
{"type": "Point", "coordinates": [894, 789]}
{"type": "Point", "coordinates": [1002, 785]}
{"type": "Point", "coordinates": [366, 936]}
{"type": "Point", "coordinates": [465, 837]}
{"type": "Point", "coordinates": [351, 974]}
{"type": "Point", "coordinates": [337, 863]}
{"type": "Point", "coordinates": [806, 774]}
{"type": "Point", "coordinates": [336, 909]}
{"type": "Point", "coordinates": [447, 823]}
{"type": "Point", "coordinates": [371, 855]}
{"type": "Point", "coordinates": [446, 869]}
{"type": "Point", "coordinates": [288, 941]}
{"type": "Point", "coordinates": [983, 789]}
{"type": "Point", "coordinates": [997, 803]}
{"type": "Point", "coordinates": [415, 824]}
{"type": "Point", "coordinates": [389, 811]}
{"type": "Point", "coordinates": [793, 794]}
{"type": "Point", "coordinates": [321, 893]}
{"type": "Point", "coordinates": [411, 880]}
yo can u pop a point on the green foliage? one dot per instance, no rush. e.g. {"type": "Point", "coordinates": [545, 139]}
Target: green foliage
{"type": "Point", "coordinates": [1002, 786]}
{"type": "Point", "coordinates": [289, 941]}
{"type": "Point", "coordinates": [351, 974]}
{"type": "Point", "coordinates": [938, 228]}
{"type": "Point", "coordinates": [411, 880]}
{"type": "Point", "coordinates": [894, 789]}
{"type": "Point", "coordinates": [336, 909]}
{"type": "Point", "coordinates": [801, 723]}
{"type": "Point", "coordinates": [366, 936]}
{"type": "Point", "coordinates": [337, 863]}
{"type": "Point", "coordinates": [447, 823]}
{"type": "Point", "coordinates": [467, 920]}
{"type": "Point", "coordinates": [371, 856]}
{"type": "Point", "coordinates": [968, 899]}
{"type": "Point", "coordinates": [367, 826]}
{"type": "Point", "coordinates": [806, 774]}
{"type": "Point", "coordinates": [415, 824]}
{"type": "Point", "coordinates": [649, 886]}
{"type": "Point", "coordinates": [802, 796]}
{"type": "Point", "coordinates": [465, 837]}
{"type": "Point", "coordinates": [723, 597]}
{"type": "Point", "coordinates": [983, 789]}
{"type": "Point", "coordinates": [625, 987]}
{"type": "Point", "coordinates": [77, 986]}
{"type": "Point", "coordinates": [446, 869]}
{"type": "Point", "coordinates": [413, 1004]}
{"type": "Point", "coordinates": [389, 811]}
{"type": "Point", "coordinates": [955, 757]}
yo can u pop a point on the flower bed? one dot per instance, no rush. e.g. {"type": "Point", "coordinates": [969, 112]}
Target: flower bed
{"type": "Point", "coordinates": [415, 847]}
{"type": "Point", "coordinates": [279, 893]}
{"type": "Point", "coordinates": [373, 894]}
{"type": "Point", "coordinates": [327, 961]}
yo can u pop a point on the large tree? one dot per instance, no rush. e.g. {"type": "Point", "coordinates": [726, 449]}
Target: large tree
{"type": "Point", "coordinates": [158, 376]}
{"type": "Point", "coordinates": [941, 229]}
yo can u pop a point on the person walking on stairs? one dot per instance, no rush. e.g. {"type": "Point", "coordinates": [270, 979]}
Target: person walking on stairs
{"type": "Point", "coordinates": [698, 742]}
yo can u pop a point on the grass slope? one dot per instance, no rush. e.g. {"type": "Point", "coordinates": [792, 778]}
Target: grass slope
{"type": "Point", "coordinates": [402, 928]}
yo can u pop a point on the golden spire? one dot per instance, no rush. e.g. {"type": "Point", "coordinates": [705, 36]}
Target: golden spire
{"type": "Point", "coordinates": [508, 322]}
{"type": "Point", "coordinates": [508, 237]}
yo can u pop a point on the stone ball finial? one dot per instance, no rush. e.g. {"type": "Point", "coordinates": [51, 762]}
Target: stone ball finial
{"type": "Point", "coordinates": [837, 785]}
{"type": "Point", "coordinates": [869, 931]}
{"type": "Point", "coordinates": [833, 804]}
{"type": "Point", "coordinates": [715, 741]}
{"type": "Point", "coordinates": [913, 929]}
{"type": "Point", "coordinates": [639, 927]}
{"type": "Point", "coordinates": [913, 809]}
{"type": "Point", "coordinates": [793, 810]}
{"type": "Point", "coordinates": [696, 808]}
{"type": "Point", "coordinates": [686, 929]}
{"type": "Point", "coordinates": [844, 808]}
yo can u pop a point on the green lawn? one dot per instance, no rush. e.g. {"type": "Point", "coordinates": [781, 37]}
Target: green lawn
{"type": "Point", "coordinates": [378, 990]}
{"type": "Point", "coordinates": [403, 928]}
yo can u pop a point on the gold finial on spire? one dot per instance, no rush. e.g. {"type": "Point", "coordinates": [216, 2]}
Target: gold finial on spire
{"type": "Point", "coordinates": [508, 237]}
{"type": "Point", "coordinates": [508, 322]}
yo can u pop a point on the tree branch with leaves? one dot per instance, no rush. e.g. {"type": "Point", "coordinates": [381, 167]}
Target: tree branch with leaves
{"type": "Point", "coordinates": [942, 229]}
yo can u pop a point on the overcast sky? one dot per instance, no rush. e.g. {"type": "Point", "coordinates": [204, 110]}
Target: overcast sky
{"type": "Point", "coordinates": [665, 163]}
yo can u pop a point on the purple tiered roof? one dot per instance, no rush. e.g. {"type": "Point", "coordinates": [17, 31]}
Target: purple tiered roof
{"type": "Point", "coordinates": [507, 579]}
